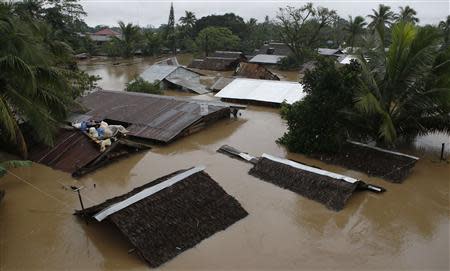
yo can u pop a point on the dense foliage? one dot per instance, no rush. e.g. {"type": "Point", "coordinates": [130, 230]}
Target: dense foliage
{"type": "Point", "coordinates": [212, 38]}
{"type": "Point", "coordinates": [140, 85]}
{"type": "Point", "coordinates": [38, 78]}
{"type": "Point", "coordinates": [317, 124]}
{"type": "Point", "coordinates": [401, 92]}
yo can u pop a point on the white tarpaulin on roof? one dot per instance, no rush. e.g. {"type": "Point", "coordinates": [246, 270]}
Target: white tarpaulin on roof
{"type": "Point", "coordinates": [263, 90]}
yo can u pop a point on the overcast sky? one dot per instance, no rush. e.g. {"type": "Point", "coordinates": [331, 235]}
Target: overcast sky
{"type": "Point", "coordinates": [150, 12]}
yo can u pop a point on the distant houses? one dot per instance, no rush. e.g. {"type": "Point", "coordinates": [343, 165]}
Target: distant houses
{"type": "Point", "coordinates": [104, 35]}
{"type": "Point", "coordinates": [219, 61]}
{"type": "Point", "coordinates": [173, 76]}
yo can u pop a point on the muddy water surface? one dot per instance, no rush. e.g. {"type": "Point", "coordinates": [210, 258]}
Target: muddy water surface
{"type": "Point", "coordinates": [405, 228]}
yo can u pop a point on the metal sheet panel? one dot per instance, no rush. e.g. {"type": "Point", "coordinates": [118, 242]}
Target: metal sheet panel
{"type": "Point", "coordinates": [154, 117]}
{"type": "Point", "coordinates": [157, 72]}
{"type": "Point", "coordinates": [266, 59]}
{"type": "Point", "coordinates": [263, 90]}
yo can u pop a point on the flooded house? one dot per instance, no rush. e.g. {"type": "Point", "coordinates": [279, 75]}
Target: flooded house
{"type": "Point", "coordinates": [265, 59]}
{"type": "Point", "coordinates": [169, 215]}
{"type": "Point", "coordinates": [146, 118]}
{"type": "Point", "coordinates": [219, 61]}
{"type": "Point", "coordinates": [175, 77]}
{"type": "Point", "coordinates": [262, 92]}
{"type": "Point", "coordinates": [275, 48]}
{"type": "Point", "coordinates": [254, 71]}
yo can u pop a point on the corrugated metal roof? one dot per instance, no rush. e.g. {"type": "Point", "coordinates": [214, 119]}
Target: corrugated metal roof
{"type": "Point", "coordinates": [277, 48]}
{"type": "Point", "coordinates": [154, 117]}
{"type": "Point", "coordinates": [221, 83]}
{"type": "Point", "coordinates": [192, 84]}
{"type": "Point", "coordinates": [157, 72]}
{"type": "Point", "coordinates": [328, 51]}
{"type": "Point", "coordinates": [266, 59]}
{"type": "Point", "coordinates": [255, 71]}
{"type": "Point", "coordinates": [72, 150]}
{"type": "Point", "coordinates": [215, 63]}
{"type": "Point", "coordinates": [263, 91]}
{"type": "Point", "coordinates": [168, 61]}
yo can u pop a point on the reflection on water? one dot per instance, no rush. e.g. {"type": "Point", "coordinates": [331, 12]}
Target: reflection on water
{"type": "Point", "coordinates": [405, 228]}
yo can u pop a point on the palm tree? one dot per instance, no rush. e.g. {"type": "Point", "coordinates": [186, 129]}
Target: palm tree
{"type": "Point", "coordinates": [398, 93]}
{"type": "Point", "coordinates": [445, 28]}
{"type": "Point", "coordinates": [381, 19]}
{"type": "Point", "coordinates": [33, 89]}
{"type": "Point", "coordinates": [355, 28]}
{"type": "Point", "coordinates": [130, 37]}
{"type": "Point", "coordinates": [188, 20]}
{"type": "Point", "coordinates": [407, 14]}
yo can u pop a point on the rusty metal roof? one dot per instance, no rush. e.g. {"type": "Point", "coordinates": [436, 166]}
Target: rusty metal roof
{"type": "Point", "coordinates": [255, 71]}
{"type": "Point", "coordinates": [153, 117]}
{"type": "Point", "coordinates": [72, 150]}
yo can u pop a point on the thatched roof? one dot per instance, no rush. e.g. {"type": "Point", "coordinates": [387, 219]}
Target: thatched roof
{"type": "Point", "coordinates": [176, 218]}
{"type": "Point", "coordinates": [332, 192]}
{"type": "Point", "coordinates": [373, 161]}
{"type": "Point", "coordinates": [215, 63]}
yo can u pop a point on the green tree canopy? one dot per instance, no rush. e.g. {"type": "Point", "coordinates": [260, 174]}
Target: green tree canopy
{"type": "Point", "coordinates": [215, 38]}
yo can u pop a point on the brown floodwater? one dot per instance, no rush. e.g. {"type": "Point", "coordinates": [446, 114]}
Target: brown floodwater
{"type": "Point", "coordinates": [406, 227]}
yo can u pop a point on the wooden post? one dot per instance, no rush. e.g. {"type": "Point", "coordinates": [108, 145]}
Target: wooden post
{"type": "Point", "coordinates": [442, 151]}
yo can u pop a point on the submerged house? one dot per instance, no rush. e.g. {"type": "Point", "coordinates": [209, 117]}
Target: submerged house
{"type": "Point", "coordinates": [254, 71]}
{"type": "Point", "coordinates": [167, 216]}
{"type": "Point", "coordinates": [271, 53]}
{"type": "Point", "coordinates": [275, 48]}
{"type": "Point", "coordinates": [263, 92]}
{"type": "Point", "coordinates": [173, 76]}
{"type": "Point", "coordinates": [219, 61]}
{"type": "Point", "coordinates": [76, 153]}
{"type": "Point", "coordinates": [153, 118]}
{"type": "Point", "coordinates": [265, 59]}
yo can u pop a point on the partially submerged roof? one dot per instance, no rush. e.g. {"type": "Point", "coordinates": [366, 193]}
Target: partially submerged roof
{"type": "Point", "coordinates": [165, 217]}
{"type": "Point", "coordinates": [374, 161]}
{"type": "Point", "coordinates": [255, 71]}
{"type": "Point", "coordinates": [331, 189]}
{"type": "Point", "coordinates": [329, 52]}
{"type": "Point", "coordinates": [177, 75]}
{"type": "Point", "coordinates": [153, 117]}
{"type": "Point", "coordinates": [266, 59]}
{"type": "Point", "coordinates": [168, 61]}
{"type": "Point", "coordinates": [157, 72]}
{"type": "Point", "coordinates": [275, 48]}
{"type": "Point", "coordinates": [75, 153]}
{"type": "Point", "coordinates": [228, 54]}
{"type": "Point", "coordinates": [269, 91]}
{"type": "Point", "coordinates": [216, 63]}
{"type": "Point", "coordinates": [221, 83]}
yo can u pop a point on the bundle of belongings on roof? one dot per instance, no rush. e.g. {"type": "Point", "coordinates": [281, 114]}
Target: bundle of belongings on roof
{"type": "Point", "coordinates": [101, 132]}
